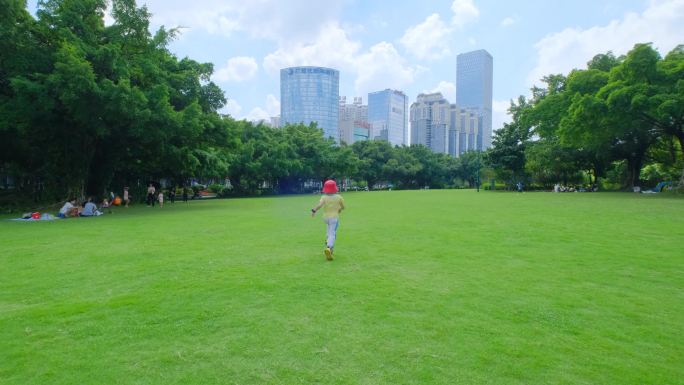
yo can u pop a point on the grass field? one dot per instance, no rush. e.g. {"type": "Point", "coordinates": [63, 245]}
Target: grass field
{"type": "Point", "coordinates": [428, 287]}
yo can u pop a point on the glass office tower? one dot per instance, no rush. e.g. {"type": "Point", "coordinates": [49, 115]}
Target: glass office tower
{"type": "Point", "coordinates": [310, 94]}
{"type": "Point", "coordinates": [387, 116]}
{"type": "Point", "coordinates": [474, 82]}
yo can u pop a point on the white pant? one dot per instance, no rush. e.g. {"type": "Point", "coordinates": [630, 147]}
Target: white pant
{"type": "Point", "coordinates": [332, 231]}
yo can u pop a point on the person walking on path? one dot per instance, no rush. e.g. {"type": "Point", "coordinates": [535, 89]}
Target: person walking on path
{"type": "Point", "coordinates": [332, 204]}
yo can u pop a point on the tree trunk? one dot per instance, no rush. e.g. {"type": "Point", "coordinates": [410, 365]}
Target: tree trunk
{"type": "Point", "coordinates": [633, 171]}
{"type": "Point", "coordinates": [680, 137]}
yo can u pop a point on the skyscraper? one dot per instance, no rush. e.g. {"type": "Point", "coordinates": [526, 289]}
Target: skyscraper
{"type": "Point", "coordinates": [387, 116]}
{"type": "Point", "coordinates": [474, 82]}
{"type": "Point", "coordinates": [353, 121]}
{"type": "Point", "coordinates": [430, 118]}
{"type": "Point", "coordinates": [310, 94]}
{"type": "Point", "coordinates": [465, 133]}
{"type": "Point", "coordinates": [443, 127]}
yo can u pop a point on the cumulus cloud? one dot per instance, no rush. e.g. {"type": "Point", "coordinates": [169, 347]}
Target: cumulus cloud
{"type": "Point", "coordinates": [331, 48]}
{"type": "Point", "coordinates": [447, 89]}
{"type": "Point", "coordinates": [258, 114]}
{"type": "Point", "coordinates": [507, 22]}
{"type": "Point", "coordinates": [661, 23]}
{"type": "Point", "coordinates": [500, 113]}
{"type": "Point", "coordinates": [382, 67]}
{"type": "Point", "coordinates": [237, 69]}
{"type": "Point", "coordinates": [232, 108]}
{"type": "Point", "coordinates": [428, 40]}
{"type": "Point", "coordinates": [464, 12]}
{"type": "Point", "coordinates": [272, 105]}
{"type": "Point", "coordinates": [269, 19]}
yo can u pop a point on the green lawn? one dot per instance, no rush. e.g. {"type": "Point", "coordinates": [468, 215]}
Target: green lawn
{"type": "Point", "coordinates": [428, 287]}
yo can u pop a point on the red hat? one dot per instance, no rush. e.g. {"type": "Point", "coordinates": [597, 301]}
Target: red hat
{"type": "Point", "coordinates": [329, 187]}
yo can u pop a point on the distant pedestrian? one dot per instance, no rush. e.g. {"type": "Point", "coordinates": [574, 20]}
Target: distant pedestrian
{"type": "Point", "coordinates": [160, 198]}
{"type": "Point", "coordinates": [332, 204]}
{"type": "Point", "coordinates": [150, 195]}
{"type": "Point", "coordinates": [172, 194]}
{"type": "Point", "coordinates": [126, 197]}
{"type": "Point", "coordinates": [519, 186]}
{"type": "Point", "coordinates": [185, 194]}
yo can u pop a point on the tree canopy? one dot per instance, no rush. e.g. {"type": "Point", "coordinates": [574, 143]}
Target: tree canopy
{"type": "Point", "coordinates": [611, 116]}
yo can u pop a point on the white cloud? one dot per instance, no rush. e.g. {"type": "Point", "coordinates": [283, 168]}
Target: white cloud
{"type": "Point", "coordinates": [500, 113]}
{"type": "Point", "coordinates": [232, 108]}
{"type": "Point", "coordinates": [270, 19]}
{"type": "Point", "coordinates": [428, 40]}
{"type": "Point", "coordinates": [464, 12]}
{"type": "Point", "coordinates": [448, 90]}
{"type": "Point", "coordinates": [272, 105]}
{"type": "Point", "coordinates": [472, 41]}
{"type": "Point", "coordinates": [382, 67]}
{"type": "Point", "coordinates": [507, 22]}
{"type": "Point", "coordinates": [376, 69]}
{"type": "Point", "coordinates": [258, 114]}
{"type": "Point", "coordinates": [237, 69]}
{"type": "Point", "coordinates": [331, 48]}
{"type": "Point", "coordinates": [661, 23]}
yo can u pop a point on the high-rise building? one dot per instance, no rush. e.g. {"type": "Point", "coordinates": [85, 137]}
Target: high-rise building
{"type": "Point", "coordinates": [430, 122]}
{"type": "Point", "coordinates": [474, 82]}
{"type": "Point", "coordinates": [443, 127]}
{"type": "Point", "coordinates": [387, 116]}
{"type": "Point", "coordinates": [353, 121]}
{"type": "Point", "coordinates": [465, 133]}
{"type": "Point", "coordinates": [310, 94]}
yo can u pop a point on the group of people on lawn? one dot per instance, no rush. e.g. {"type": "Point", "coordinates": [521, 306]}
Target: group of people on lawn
{"type": "Point", "coordinates": [154, 196]}
{"type": "Point", "coordinates": [88, 209]}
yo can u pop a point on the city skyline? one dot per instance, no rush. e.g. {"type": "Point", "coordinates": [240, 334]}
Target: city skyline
{"type": "Point", "coordinates": [410, 46]}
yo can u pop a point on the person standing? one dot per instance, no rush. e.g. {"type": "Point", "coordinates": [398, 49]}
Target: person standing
{"type": "Point", "coordinates": [332, 204]}
{"type": "Point", "coordinates": [185, 194]}
{"type": "Point", "coordinates": [161, 199]}
{"type": "Point", "coordinates": [126, 197]}
{"type": "Point", "coordinates": [150, 195]}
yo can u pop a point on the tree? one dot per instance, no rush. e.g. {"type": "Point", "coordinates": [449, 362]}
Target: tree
{"type": "Point", "coordinates": [373, 156]}
{"type": "Point", "coordinates": [507, 155]}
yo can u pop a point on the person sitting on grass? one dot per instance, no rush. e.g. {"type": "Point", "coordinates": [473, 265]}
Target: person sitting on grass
{"type": "Point", "coordinates": [89, 209]}
{"type": "Point", "coordinates": [68, 209]}
{"type": "Point", "coordinates": [106, 205]}
{"type": "Point", "coordinates": [332, 204]}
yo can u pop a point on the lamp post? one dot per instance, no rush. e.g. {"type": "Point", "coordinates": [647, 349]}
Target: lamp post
{"type": "Point", "coordinates": [477, 178]}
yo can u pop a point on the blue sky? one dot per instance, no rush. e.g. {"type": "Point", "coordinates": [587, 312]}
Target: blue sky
{"type": "Point", "coordinates": [405, 45]}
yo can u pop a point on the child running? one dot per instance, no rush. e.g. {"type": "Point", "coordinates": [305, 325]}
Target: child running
{"type": "Point", "coordinates": [332, 204]}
